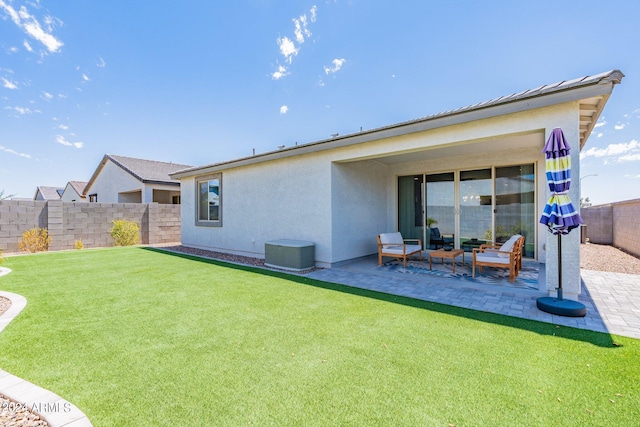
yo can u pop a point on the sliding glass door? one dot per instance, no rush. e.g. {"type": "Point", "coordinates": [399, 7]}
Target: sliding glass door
{"type": "Point", "coordinates": [441, 210]}
{"type": "Point", "coordinates": [410, 206]}
{"type": "Point", "coordinates": [475, 206]}
{"type": "Point", "coordinates": [515, 205]}
{"type": "Point", "coordinates": [475, 202]}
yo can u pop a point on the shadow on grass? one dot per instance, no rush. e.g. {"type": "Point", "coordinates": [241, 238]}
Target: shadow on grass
{"type": "Point", "coordinates": [599, 339]}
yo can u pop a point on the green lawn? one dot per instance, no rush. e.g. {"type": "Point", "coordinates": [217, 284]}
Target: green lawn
{"type": "Point", "coordinates": [137, 337]}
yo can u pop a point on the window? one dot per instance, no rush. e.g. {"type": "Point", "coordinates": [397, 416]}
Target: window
{"type": "Point", "coordinates": [209, 200]}
{"type": "Point", "coordinates": [93, 198]}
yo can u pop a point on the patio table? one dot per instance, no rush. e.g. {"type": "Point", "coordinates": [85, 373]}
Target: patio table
{"type": "Point", "coordinates": [473, 243]}
{"type": "Point", "coordinates": [442, 254]}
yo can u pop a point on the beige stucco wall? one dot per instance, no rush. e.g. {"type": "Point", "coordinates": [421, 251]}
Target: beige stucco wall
{"type": "Point", "coordinates": [115, 185]}
{"type": "Point", "coordinates": [342, 197]}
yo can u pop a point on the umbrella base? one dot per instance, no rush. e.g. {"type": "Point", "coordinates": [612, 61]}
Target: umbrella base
{"type": "Point", "coordinates": [561, 307]}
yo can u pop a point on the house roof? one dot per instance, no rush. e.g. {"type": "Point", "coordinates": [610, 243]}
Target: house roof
{"type": "Point", "coordinates": [146, 171]}
{"type": "Point", "coordinates": [49, 193]}
{"type": "Point", "coordinates": [591, 91]}
{"type": "Point", "coordinates": [78, 186]}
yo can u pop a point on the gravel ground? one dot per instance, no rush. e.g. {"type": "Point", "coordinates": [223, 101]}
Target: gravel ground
{"type": "Point", "coordinates": [4, 305]}
{"type": "Point", "coordinates": [592, 257]}
{"type": "Point", "coordinates": [14, 414]}
{"type": "Point", "coordinates": [608, 258]}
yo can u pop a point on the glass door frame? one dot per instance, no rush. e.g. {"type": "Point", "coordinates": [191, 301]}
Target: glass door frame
{"type": "Point", "coordinates": [456, 197]}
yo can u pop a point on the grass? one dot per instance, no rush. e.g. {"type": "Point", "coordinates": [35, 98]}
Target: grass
{"type": "Point", "coordinates": [137, 337]}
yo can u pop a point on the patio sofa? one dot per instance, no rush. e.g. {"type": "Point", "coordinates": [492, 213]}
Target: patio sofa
{"type": "Point", "coordinates": [393, 245]}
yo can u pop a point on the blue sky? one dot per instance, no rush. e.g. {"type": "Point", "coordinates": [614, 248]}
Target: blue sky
{"type": "Point", "coordinates": [198, 82]}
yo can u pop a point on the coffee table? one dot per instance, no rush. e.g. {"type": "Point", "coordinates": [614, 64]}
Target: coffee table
{"type": "Point", "coordinates": [473, 243]}
{"type": "Point", "coordinates": [442, 254]}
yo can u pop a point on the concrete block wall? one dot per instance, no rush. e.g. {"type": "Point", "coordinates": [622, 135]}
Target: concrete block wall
{"type": "Point", "coordinates": [92, 222]}
{"type": "Point", "coordinates": [599, 223]}
{"type": "Point", "coordinates": [626, 226]}
{"type": "Point", "coordinates": [616, 224]}
{"type": "Point", "coordinates": [89, 222]}
{"type": "Point", "coordinates": [17, 216]}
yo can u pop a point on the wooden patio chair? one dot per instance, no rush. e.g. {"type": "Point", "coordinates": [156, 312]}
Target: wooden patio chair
{"type": "Point", "coordinates": [507, 255]}
{"type": "Point", "coordinates": [393, 245]}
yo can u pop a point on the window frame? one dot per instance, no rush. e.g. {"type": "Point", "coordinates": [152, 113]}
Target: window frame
{"type": "Point", "coordinates": [208, 223]}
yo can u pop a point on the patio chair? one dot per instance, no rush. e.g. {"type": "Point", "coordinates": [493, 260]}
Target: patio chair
{"type": "Point", "coordinates": [508, 255]}
{"type": "Point", "coordinates": [436, 239]}
{"type": "Point", "coordinates": [393, 245]}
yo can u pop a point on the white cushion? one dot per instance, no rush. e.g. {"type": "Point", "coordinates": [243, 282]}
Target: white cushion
{"type": "Point", "coordinates": [391, 240]}
{"type": "Point", "coordinates": [508, 246]}
{"type": "Point", "coordinates": [491, 257]}
{"type": "Point", "coordinates": [396, 250]}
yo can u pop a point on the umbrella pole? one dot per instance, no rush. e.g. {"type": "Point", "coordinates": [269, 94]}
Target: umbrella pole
{"type": "Point", "coordinates": [560, 266]}
{"type": "Point", "coordinates": [559, 306]}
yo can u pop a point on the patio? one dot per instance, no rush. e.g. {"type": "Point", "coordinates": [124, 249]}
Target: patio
{"type": "Point", "coordinates": [612, 299]}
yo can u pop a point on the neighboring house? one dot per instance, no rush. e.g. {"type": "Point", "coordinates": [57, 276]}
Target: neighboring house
{"type": "Point", "coordinates": [73, 191]}
{"type": "Point", "coordinates": [478, 170]}
{"type": "Point", "coordinates": [48, 193]}
{"type": "Point", "coordinates": [120, 179]}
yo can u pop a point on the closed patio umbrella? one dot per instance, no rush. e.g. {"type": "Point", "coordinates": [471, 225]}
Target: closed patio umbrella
{"type": "Point", "coordinates": [559, 216]}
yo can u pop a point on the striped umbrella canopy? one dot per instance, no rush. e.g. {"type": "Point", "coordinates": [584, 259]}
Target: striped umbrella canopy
{"type": "Point", "coordinates": [559, 214]}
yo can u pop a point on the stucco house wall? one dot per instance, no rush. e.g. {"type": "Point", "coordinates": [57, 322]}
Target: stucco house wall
{"type": "Point", "coordinates": [110, 182]}
{"type": "Point", "coordinates": [70, 193]}
{"type": "Point", "coordinates": [115, 185]}
{"type": "Point", "coordinates": [340, 193]}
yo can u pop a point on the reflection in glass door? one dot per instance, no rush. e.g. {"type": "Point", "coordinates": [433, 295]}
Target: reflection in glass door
{"type": "Point", "coordinates": [440, 215]}
{"type": "Point", "coordinates": [475, 206]}
{"type": "Point", "coordinates": [410, 207]}
{"type": "Point", "coordinates": [515, 205]}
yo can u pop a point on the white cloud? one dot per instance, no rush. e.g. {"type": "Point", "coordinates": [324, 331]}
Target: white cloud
{"type": "Point", "coordinates": [629, 158]}
{"type": "Point", "coordinates": [600, 135]}
{"type": "Point", "coordinates": [9, 84]}
{"type": "Point", "coordinates": [13, 49]}
{"type": "Point", "coordinates": [101, 63]}
{"type": "Point", "coordinates": [30, 25]}
{"type": "Point", "coordinates": [47, 96]}
{"type": "Point", "coordinates": [600, 123]}
{"type": "Point", "coordinates": [10, 151]}
{"type": "Point", "coordinates": [85, 78]}
{"type": "Point", "coordinates": [27, 46]}
{"type": "Point", "coordinates": [619, 126]}
{"type": "Point", "coordinates": [314, 13]}
{"type": "Point", "coordinates": [287, 48]}
{"type": "Point", "coordinates": [63, 127]}
{"type": "Point", "coordinates": [21, 110]}
{"type": "Point", "coordinates": [284, 109]}
{"type": "Point", "coordinates": [614, 150]}
{"type": "Point", "coordinates": [61, 140]}
{"type": "Point", "coordinates": [335, 67]}
{"type": "Point", "coordinates": [301, 30]}
{"type": "Point", "coordinates": [280, 73]}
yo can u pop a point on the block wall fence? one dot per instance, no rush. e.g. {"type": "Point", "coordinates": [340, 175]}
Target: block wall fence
{"type": "Point", "coordinates": [616, 224]}
{"type": "Point", "coordinates": [89, 222]}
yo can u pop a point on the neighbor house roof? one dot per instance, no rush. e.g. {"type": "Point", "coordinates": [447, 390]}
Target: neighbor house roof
{"type": "Point", "coordinates": [78, 186]}
{"type": "Point", "coordinates": [49, 193]}
{"type": "Point", "coordinates": [146, 171]}
{"type": "Point", "coordinates": [592, 92]}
